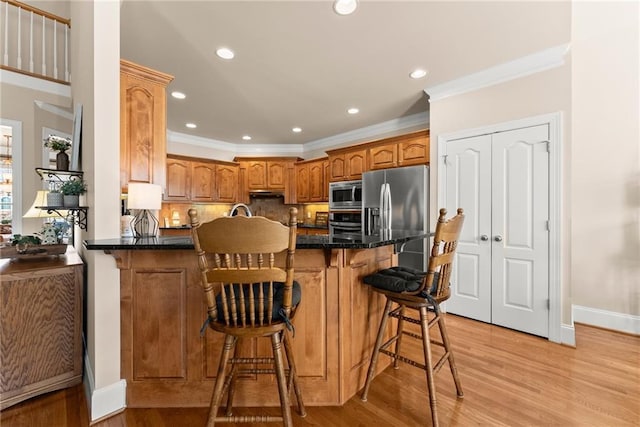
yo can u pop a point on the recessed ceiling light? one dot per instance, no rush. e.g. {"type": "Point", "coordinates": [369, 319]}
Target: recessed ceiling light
{"type": "Point", "coordinates": [225, 53]}
{"type": "Point", "coordinates": [345, 7]}
{"type": "Point", "coordinates": [296, 130]}
{"type": "Point", "coordinates": [353, 111]}
{"type": "Point", "coordinates": [178, 95]}
{"type": "Point", "coordinates": [418, 74]}
{"type": "Point", "coordinates": [246, 138]}
{"type": "Point", "coordinates": [191, 125]}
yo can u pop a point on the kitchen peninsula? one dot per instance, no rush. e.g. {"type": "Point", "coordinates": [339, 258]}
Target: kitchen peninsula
{"type": "Point", "coordinates": [166, 362]}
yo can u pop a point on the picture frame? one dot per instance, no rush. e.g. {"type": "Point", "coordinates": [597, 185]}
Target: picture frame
{"type": "Point", "coordinates": [76, 137]}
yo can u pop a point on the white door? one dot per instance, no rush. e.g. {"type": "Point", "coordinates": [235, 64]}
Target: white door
{"type": "Point", "coordinates": [501, 180]}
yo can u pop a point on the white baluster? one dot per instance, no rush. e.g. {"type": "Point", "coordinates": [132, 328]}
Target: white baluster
{"type": "Point", "coordinates": [31, 43]}
{"type": "Point", "coordinates": [66, 54]}
{"type": "Point", "coordinates": [19, 64]}
{"type": "Point", "coordinates": [44, 64]}
{"type": "Point", "coordinates": [6, 34]}
{"type": "Point", "coordinates": [55, 49]}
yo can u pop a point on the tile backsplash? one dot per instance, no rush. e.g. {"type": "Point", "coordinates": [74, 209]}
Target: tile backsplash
{"type": "Point", "coordinates": [175, 214]}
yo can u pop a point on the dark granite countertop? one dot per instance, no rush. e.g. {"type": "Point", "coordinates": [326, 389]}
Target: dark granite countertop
{"type": "Point", "coordinates": [324, 241]}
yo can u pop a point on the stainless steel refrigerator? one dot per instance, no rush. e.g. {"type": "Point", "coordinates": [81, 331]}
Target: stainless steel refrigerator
{"type": "Point", "coordinates": [398, 199]}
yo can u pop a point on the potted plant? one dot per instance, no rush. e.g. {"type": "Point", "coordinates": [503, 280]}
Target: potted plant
{"type": "Point", "coordinates": [61, 145]}
{"type": "Point", "coordinates": [71, 191]}
{"type": "Point", "coordinates": [55, 198]}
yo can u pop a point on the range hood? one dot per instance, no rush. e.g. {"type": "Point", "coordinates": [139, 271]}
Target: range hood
{"type": "Point", "coordinates": [266, 193]}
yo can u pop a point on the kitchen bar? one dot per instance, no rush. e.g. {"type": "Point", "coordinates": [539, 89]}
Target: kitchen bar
{"type": "Point", "coordinates": [165, 361]}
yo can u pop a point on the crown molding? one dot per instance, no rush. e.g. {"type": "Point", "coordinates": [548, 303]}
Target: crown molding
{"type": "Point", "coordinates": [34, 83]}
{"type": "Point", "coordinates": [420, 119]}
{"type": "Point", "coordinates": [527, 65]}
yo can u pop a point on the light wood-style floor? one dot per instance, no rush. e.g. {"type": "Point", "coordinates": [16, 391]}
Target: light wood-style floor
{"type": "Point", "coordinates": [509, 379]}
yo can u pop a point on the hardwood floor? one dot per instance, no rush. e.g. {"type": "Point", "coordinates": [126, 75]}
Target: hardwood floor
{"type": "Point", "coordinates": [509, 379]}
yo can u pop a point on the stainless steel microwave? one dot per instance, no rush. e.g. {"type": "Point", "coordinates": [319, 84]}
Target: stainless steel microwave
{"type": "Point", "coordinates": [345, 195]}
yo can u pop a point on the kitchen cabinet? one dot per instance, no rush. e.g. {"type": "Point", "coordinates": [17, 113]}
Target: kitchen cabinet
{"type": "Point", "coordinates": [302, 182]}
{"type": "Point", "coordinates": [266, 175]}
{"type": "Point", "coordinates": [40, 326]}
{"type": "Point", "coordinates": [200, 180]}
{"type": "Point", "coordinates": [178, 186]}
{"type": "Point", "coordinates": [413, 149]}
{"type": "Point", "coordinates": [311, 181]}
{"type": "Point", "coordinates": [270, 174]}
{"type": "Point", "coordinates": [404, 150]}
{"type": "Point", "coordinates": [347, 164]}
{"type": "Point", "coordinates": [317, 182]}
{"type": "Point", "coordinates": [143, 116]}
{"type": "Point", "coordinates": [203, 182]}
{"type": "Point", "coordinates": [227, 182]}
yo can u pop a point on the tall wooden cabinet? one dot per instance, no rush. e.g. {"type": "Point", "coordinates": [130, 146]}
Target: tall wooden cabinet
{"type": "Point", "coordinates": [143, 128]}
{"type": "Point", "coordinates": [40, 326]}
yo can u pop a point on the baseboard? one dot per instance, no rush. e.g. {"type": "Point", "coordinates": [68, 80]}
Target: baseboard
{"type": "Point", "coordinates": [567, 335]}
{"type": "Point", "coordinates": [104, 401]}
{"type": "Point", "coordinates": [627, 323]}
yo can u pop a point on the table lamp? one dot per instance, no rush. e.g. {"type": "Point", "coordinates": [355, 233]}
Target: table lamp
{"type": "Point", "coordinates": [144, 198]}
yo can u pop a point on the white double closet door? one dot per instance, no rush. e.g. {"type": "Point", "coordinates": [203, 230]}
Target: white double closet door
{"type": "Point", "coordinates": [501, 271]}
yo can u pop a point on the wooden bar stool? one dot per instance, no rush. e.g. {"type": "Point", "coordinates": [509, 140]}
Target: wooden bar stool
{"type": "Point", "coordinates": [248, 296]}
{"type": "Point", "coordinates": [412, 291]}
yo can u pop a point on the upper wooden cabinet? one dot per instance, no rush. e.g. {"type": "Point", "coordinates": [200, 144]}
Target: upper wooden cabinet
{"type": "Point", "coordinates": [203, 182]}
{"type": "Point", "coordinates": [311, 181]}
{"type": "Point", "coordinates": [200, 180]}
{"type": "Point", "coordinates": [227, 182]}
{"type": "Point", "coordinates": [349, 163]}
{"type": "Point", "coordinates": [271, 173]}
{"type": "Point", "coordinates": [346, 164]}
{"type": "Point", "coordinates": [178, 180]}
{"type": "Point", "coordinates": [143, 116]}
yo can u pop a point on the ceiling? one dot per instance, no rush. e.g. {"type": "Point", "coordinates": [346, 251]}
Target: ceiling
{"type": "Point", "coordinates": [299, 64]}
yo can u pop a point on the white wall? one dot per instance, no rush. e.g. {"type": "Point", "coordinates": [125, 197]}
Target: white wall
{"type": "Point", "coordinates": [605, 160]}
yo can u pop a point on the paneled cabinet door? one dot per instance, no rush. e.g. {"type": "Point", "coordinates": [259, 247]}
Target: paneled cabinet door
{"type": "Point", "coordinates": [325, 186]}
{"type": "Point", "coordinates": [257, 175]}
{"type": "Point", "coordinates": [203, 182]}
{"type": "Point", "coordinates": [316, 181]}
{"type": "Point", "coordinates": [142, 124]}
{"type": "Point", "coordinates": [302, 183]}
{"type": "Point", "coordinates": [356, 162]}
{"type": "Point", "coordinates": [227, 180]}
{"type": "Point", "coordinates": [337, 168]}
{"type": "Point", "coordinates": [178, 180]}
{"type": "Point", "coordinates": [276, 175]}
{"type": "Point", "coordinates": [383, 156]}
{"type": "Point", "coordinates": [414, 151]}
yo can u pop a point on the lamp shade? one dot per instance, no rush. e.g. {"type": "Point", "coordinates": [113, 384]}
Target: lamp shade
{"type": "Point", "coordinates": [144, 196]}
{"type": "Point", "coordinates": [41, 200]}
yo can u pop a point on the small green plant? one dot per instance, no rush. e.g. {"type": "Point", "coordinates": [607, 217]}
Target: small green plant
{"type": "Point", "coordinates": [19, 239]}
{"type": "Point", "coordinates": [73, 187]}
{"type": "Point", "coordinates": [57, 143]}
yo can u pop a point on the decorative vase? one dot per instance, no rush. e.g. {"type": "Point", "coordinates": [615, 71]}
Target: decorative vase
{"type": "Point", "coordinates": [55, 199]}
{"type": "Point", "coordinates": [71, 200]}
{"type": "Point", "coordinates": [62, 161]}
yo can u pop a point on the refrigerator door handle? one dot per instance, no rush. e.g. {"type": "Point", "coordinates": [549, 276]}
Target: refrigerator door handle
{"type": "Point", "coordinates": [389, 205]}
{"type": "Point", "coordinates": [382, 206]}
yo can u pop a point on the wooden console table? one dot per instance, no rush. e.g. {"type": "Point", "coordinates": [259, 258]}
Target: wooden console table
{"type": "Point", "coordinates": [40, 326]}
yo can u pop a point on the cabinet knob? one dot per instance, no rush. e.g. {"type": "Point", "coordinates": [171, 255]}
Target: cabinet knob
{"type": "Point", "coordinates": [498, 238]}
{"type": "Point", "coordinates": [484, 237]}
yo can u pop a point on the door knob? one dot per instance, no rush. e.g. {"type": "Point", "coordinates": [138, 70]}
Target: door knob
{"type": "Point", "coordinates": [484, 237]}
{"type": "Point", "coordinates": [498, 238]}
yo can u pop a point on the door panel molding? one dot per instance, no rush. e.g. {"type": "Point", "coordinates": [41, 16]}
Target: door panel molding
{"type": "Point", "coordinates": [557, 331]}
